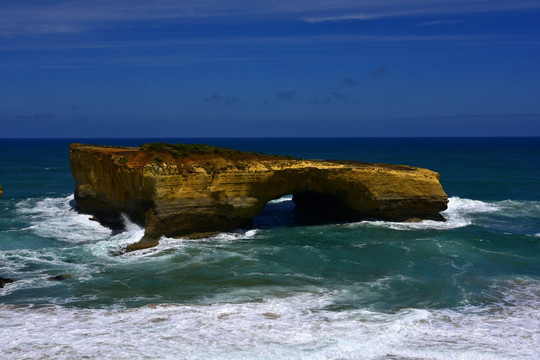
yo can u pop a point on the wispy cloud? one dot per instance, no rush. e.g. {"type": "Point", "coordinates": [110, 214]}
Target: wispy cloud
{"type": "Point", "coordinates": [440, 22]}
{"type": "Point", "coordinates": [379, 72]}
{"type": "Point", "coordinates": [286, 95]}
{"type": "Point", "coordinates": [97, 33]}
{"type": "Point", "coordinates": [335, 96]}
{"type": "Point", "coordinates": [135, 52]}
{"type": "Point", "coordinates": [321, 100]}
{"type": "Point", "coordinates": [350, 82]}
{"type": "Point", "coordinates": [345, 17]}
{"type": "Point", "coordinates": [79, 118]}
{"type": "Point", "coordinates": [372, 10]}
{"type": "Point", "coordinates": [39, 116]}
{"type": "Point", "coordinates": [27, 17]}
{"type": "Point", "coordinates": [315, 40]}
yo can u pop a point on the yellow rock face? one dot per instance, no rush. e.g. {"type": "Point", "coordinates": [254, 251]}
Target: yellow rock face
{"type": "Point", "coordinates": [218, 191]}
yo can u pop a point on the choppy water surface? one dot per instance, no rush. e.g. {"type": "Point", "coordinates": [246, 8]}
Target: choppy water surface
{"type": "Point", "coordinates": [468, 288]}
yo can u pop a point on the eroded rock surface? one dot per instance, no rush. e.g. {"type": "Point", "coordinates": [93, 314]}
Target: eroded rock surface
{"type": "Point", "coordinates": [180, 190]}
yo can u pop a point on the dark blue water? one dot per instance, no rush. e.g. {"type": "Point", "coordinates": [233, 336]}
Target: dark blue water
{"type": "Point", "coordinates": [466, 288]}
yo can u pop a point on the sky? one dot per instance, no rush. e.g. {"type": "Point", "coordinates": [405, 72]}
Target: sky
{"type": "Point", "coordinates": [250, 68]}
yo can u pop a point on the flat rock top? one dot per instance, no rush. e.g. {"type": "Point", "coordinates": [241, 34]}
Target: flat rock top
{"type": "Point", "coordinates": [158, 154]}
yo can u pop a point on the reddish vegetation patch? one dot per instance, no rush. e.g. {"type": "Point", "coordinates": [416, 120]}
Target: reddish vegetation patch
{"type": "Point", "coordinates": [140, 159]}
{"type": "Point", "coordinates": [183, 154]}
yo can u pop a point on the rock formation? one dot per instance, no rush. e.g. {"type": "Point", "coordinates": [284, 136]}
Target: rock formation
{"type": "Point", "coordinates": [61, 277]}
{"type": "Point", "coordinates": [4, 281]}
{"type": "Point", "coordinates": [185, 190]}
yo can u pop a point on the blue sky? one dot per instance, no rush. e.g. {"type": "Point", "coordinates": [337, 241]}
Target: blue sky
{"type": "Point", "coordinates": [207, 68]}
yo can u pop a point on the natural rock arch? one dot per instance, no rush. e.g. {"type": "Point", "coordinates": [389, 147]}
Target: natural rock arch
{"type": "Point", "coordinates": [212, 189]}
{"type": "Point", "coordinates": [305, 208]}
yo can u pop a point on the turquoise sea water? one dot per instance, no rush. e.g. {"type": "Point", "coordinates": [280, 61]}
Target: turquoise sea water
{"type": "Point", "coordinates": [468, 288]}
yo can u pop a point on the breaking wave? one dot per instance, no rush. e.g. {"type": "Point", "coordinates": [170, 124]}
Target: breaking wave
{"type": "Point", "coordinates": [460, 213]}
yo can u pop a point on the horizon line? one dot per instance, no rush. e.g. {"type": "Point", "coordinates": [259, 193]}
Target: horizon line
{"type": "Point", "coordinates": [283, 137]}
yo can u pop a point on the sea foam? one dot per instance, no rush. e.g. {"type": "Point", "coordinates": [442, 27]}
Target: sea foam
{"type": "Point", "coordinates": [56, 218]}
{"type": "Point", "coordinates": [459, 214]}
{"type": "Point", "coordinates": [294, 326]}
{"type": "Point", "coordinates": [281, 199]}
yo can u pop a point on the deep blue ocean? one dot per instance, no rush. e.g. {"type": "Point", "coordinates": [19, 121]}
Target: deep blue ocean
{"type": "Point", "coordinates": [467, 288]}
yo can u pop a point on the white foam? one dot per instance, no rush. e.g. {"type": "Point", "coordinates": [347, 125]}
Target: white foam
{"type": "Point", "coordinates": [293, 325]}
{"type": "Point", "coordinates": [457, 215]}
{"type": "Point", "coordinates": [32, 268]}
{"type": "Point", "coordinates": [55, 218]}
{"type": "Point", "coordinates": [513, 208]}
{"type": "Point", "coordinates": [104, 246]}
{"type": "Point", "coordinates": [167, 247]}
{"type": "Point", "coordinates": [232, 236]}
{"type": "Point", "coordinates": [469, 206]}
{"type": "Point", "coordinates": [281, 199]}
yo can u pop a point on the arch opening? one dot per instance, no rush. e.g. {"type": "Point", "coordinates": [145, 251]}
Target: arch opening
{"type": "Point", "coordinates": [303, 208]}
{"type": "Point", "coordinates": [321, 207]}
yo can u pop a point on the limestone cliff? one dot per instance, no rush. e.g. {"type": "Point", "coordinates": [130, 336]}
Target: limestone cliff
{"type": "Point", "coordinates": [178, 190]}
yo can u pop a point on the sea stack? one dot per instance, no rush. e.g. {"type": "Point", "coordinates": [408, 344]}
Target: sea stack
{"type": "Point", "coordinates": [188, 190]}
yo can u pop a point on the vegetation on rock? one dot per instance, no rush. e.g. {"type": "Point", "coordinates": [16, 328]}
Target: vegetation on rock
{"type": "Point", "coordinates": [187, 150]}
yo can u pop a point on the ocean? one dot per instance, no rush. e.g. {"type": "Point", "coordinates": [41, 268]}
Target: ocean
{"type": "Point", "coordinates": [467, 288]}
